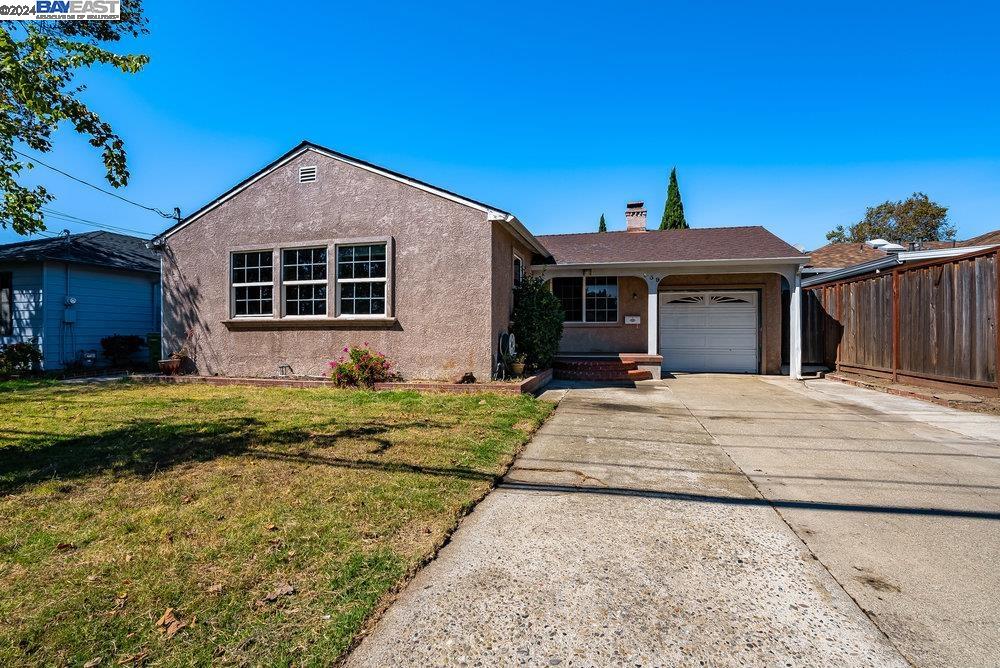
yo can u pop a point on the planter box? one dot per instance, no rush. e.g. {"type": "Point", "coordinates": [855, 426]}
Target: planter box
{"type": "Point", "coordinates": [525, 386]}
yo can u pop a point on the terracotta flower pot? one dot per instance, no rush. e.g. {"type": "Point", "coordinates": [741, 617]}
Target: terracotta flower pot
{"type": "Point", "coordinates": [170, 367]}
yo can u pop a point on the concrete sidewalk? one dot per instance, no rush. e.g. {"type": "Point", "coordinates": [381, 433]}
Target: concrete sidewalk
{"type": "Point", "coordinates": [625, 535]}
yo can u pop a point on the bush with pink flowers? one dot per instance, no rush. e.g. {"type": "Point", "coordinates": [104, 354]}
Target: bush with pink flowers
{"type": "Point", "coordinates": [360, 366]}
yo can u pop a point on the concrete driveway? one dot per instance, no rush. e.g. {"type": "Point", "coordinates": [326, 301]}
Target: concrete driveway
{"type": "Point", "coordinates": [899, 499]}
{"type": "Point", "coordinates": [627, 535]}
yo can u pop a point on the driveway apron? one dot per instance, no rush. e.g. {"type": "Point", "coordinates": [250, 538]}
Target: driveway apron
{"type": "Point", "coordinates": [898, 498]}
{"type": "Point", "coordinates": [624, 535]}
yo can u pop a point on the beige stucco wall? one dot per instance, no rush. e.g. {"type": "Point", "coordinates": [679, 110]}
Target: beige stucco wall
{"type": "Point", "coordinates": [502, 275]}
{"type": "Point", "coordinates": [621, 338]}
{"type": "Point", "coordinates": [612, 337]}
{"type": "Point", "coordinates": [441, 295]}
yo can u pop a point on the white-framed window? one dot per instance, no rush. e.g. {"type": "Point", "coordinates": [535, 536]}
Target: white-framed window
{"type": "Point", "coordinates": [304, 281]}
{"type": "Point", "coordinates": [252, 280]}
{"type": "Point", "coordinates": [361, 279]}
{"type": "Point", "coordinates": [592, 299]}
{"type": "Point", "coordinates": [518, 269]}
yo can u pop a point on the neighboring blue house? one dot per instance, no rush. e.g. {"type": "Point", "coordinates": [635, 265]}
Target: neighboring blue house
{"type": "Point", "coordinates": [69, 292]}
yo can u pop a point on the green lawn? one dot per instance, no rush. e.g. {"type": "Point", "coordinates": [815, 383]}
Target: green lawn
{"type": "Point", "coordinates": [273, 521]}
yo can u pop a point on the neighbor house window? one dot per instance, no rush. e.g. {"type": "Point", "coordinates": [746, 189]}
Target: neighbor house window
{"type": "Point", "coordinates": [253, 284]}
{"type": "Point", "coordinates": [6, 303]}
{"type": "Point", "coordinates": [361, 279]}
{"type": "Point", "coordinates": [518, 270]}
{"type": "Point", "coordinates": [303, 280]}
{"type": "Point", "coordinates": [594, 299]}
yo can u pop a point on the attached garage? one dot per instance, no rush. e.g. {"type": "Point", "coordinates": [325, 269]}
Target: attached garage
{"type": "Point", "coordinates": [709, 331]}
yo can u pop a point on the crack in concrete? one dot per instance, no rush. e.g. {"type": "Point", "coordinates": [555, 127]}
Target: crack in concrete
{"type": "Point", "coordinates": [544, 469]}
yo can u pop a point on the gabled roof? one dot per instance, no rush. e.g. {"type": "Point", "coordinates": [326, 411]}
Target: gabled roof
{"type": "Point", "coordinates": [835, 256]}
{"type": "Point", "coordinates": [103, 249]}
{"type": "Point", "coordinates": [492, 212]}
{"type": "Point", "coordinates": [663, 246]}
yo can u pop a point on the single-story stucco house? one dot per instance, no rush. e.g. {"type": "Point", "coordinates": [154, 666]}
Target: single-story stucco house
{"type": "Point", "coordinates": [319, 250]}
{"type": "Point", "coordinates": [69, 292]}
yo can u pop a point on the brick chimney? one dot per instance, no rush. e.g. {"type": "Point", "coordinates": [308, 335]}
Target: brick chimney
{"type": "Point", "coordinates": [635, 217]}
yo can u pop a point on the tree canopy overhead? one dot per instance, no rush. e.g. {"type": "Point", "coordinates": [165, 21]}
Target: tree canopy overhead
{"type": "Point", "coordinates": [673, 210]}
{"type": "Point", "coordinates": [39, 62]}
{"type": "Point", "coordinates": [916, 218]}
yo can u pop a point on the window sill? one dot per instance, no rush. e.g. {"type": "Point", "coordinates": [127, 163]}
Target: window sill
{"type": "Point", "coordinates": [307, 323]}
{"type": "Point", "coordinates": [572, 325]}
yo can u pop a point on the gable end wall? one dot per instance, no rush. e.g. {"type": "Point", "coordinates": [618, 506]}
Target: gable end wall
{"type": "Point", "coordinates": [441, 295]}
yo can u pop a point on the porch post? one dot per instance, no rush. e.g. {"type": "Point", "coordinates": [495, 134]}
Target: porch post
{"type": "Point", "coordinates": [652, 312]}
{"type": "Point", "coordinates": [795, 326]}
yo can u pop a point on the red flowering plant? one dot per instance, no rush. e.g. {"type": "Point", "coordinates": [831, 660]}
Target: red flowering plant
{"type": "Point", "coordinates": [360, 366]}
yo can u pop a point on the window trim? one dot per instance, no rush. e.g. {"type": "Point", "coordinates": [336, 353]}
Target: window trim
{"type": "Point", "coordinates": [583, 305]}
{"type": "Point", "coordinates": [514, 262]}
{"type": "Point", "coordinates": [333, 315]}
{"type": "Point", "coordinates": [233, 285]}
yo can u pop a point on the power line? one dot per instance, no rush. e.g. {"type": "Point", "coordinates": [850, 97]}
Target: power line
{"type": "Point", "coordinates": [70, 218]}
{"type": "Point", "coordinates": [97, 188]}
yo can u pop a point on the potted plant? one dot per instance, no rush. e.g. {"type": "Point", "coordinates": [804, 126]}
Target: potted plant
{"type": "Point", "coordinates": [175, 363]}
{"type": "Point", "coordinates": [518, 365]}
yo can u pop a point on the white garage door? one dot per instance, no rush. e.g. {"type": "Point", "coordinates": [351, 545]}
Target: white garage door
{"type": "Point", "coordinates": [708, 331]}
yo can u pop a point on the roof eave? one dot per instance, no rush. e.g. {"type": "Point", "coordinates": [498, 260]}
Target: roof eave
{"type": "Point", "coordinates": [306, 146]}
{"type": "Point", "coordinates": [791, 260]}
{"type": "Point", "coordinates": [518, 230]}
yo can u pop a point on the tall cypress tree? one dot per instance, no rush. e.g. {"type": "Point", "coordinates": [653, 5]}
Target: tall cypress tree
{"type": "Point", "coordinates": [602, 226]}
{"type": "Point", "coordinates": [673, 210]}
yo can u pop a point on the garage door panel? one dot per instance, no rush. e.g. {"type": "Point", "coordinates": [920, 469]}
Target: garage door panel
{"type": "Point", "coordinates": [709, 331]}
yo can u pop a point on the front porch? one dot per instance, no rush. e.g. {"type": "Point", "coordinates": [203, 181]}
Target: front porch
{"type": "Point", "coordinates": [650, 321]}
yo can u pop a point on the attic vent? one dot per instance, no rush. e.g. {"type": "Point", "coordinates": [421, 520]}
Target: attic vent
{"type": "Point", "coordinates": [307, 174]}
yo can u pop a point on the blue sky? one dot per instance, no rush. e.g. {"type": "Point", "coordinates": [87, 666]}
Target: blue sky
{"type": "Point", "coordinates": [795, 116]}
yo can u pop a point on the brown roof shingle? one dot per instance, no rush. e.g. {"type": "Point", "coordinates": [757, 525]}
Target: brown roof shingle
{"type": "Point", "coordinates": [836, 256]}
{"type": "Point", "coordinates": [702, 243]}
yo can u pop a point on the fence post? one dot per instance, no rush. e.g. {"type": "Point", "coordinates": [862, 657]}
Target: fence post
{"type": "Point", "coordinates": [895, 325]}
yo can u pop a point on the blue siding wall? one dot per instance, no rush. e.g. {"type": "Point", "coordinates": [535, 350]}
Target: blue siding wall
{"type": "Point", "coordinates": [27, 285]}
{"type": "Point", "coordinates": [107, 302]}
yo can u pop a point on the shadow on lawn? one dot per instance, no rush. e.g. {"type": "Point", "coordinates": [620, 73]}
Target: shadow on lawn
{"type": "Point", "coordinates": [147, 446]}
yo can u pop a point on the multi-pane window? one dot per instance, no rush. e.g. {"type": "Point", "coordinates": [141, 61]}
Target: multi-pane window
{"type": "Point", "coordinates": [253, 284]}
{"type": "Point", "coordinates": [569, 292]}
{"type": "Point", "coordinates": [594, 299]}
{"type": "Point", "coordinates": [303, 279]}
{"type": "Point", "coordinates": [361, 279]}
{"type": "Point", "coordinates": [602, 299]}
{"type": "Point", "coordinates": [518, 270]}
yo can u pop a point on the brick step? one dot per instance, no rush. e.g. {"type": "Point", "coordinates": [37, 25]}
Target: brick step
{"type": "Point", "coordinates": [626, 375]}
{"type": "Point", "coordinates": [594, 365]}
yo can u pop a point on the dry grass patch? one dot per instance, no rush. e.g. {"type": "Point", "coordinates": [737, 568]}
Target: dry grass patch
{"type": "Point", "coordinates": [271, 521]}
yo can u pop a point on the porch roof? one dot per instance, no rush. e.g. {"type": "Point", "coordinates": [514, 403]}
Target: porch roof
{"type": "Point", "coordinates": [706, 244]}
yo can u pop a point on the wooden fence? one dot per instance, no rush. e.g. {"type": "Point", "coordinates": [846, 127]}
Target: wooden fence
{"type": "Point", "coordinates": [932, 323]}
